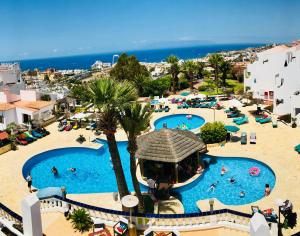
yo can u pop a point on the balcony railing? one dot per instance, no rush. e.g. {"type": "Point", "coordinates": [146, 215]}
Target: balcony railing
{"type": "Point", "coordinates": [192, 221]}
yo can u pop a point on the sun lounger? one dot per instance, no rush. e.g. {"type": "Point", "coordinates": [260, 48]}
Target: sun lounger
{"type": "Point", "coordinates": [297, 148]}
{"type": "Point", "coordinates": [29, 135]}
{"type": "Point", "coordinates": [244, 138]}
{"type": "Point", "coordinates": [253, 138]}
{"type": "Point", "coordinates": [238, 118]}
{"type": "Point", "coordinates": [21, 141]}
{"type": "Point", "coordinates": [232, 115]}
{"type": "Point", "coordinates": [36, 134]}
{"type": "Point", "coordinates": [242, 121]}
{"type": "Point", "coordinates": [265, 120]}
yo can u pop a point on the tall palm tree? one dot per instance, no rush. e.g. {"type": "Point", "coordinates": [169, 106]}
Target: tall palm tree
{"type": "Point", "coordinates": [135, 119]}
{"type": "Point", "coordinates": [225, 68]}
{"type": "Point", "coordinates": [174, 71]}
{"type": "Point", "coordinates": [189, 69]}
{"type": "Point", "coordinates": [110, 97]}
{"type": "Point", "coordinates": [215, 61]}
{"type": "Point", "coordinates": [200, 69]}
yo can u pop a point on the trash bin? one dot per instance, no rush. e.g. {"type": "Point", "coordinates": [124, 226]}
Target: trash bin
{"type": "Point", "coordinates": [244, 138]}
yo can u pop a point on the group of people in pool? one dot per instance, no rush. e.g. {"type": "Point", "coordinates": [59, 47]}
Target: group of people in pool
{"type": "Point", "coordinates": [232, 180]}
{"type": "Point", "coordinates": [55, 171]}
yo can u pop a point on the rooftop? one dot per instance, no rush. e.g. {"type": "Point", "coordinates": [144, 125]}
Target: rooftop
{"type": "Point", "coordinates": [168, 145]}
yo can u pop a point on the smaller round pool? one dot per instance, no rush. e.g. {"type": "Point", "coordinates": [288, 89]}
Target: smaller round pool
{"type": "Point", "coordinates": [181, 121]}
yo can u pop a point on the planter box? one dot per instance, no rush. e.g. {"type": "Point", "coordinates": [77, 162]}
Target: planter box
{"type": "Point", "coordinates": [5, 148]}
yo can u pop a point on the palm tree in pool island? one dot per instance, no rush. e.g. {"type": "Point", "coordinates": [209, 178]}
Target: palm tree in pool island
{"type": "Point", "coordinates": [135, 119]}
{"type": "Point", "coordinates": [110, 97]}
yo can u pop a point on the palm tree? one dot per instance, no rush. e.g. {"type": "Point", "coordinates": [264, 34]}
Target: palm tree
{"type": "Point", "coordinates": [189, 69]}
{"type": "Point", "coordinates": [135, 119]}
{"type": "Point", "coordinates": [225, 68]}
{"type": "Point", "coordinates": [81, 220]}
{"type": "Point", "coordinates": [215, 61]}
{"type": "Point", "coordinates": [110, 96]}
{"type": "Point", "coordinates": [200, 69]}
{"type": "Point", "coordinates": [174, 71]}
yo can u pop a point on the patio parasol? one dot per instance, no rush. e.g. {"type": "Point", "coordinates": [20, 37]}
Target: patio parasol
{"type": "Point", "coordinates": [235, 103]}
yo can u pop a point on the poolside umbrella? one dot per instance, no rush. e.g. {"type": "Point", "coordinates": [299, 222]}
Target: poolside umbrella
{"type": "Point", "coordinates": [232, 128]}
{"type": "Point", "coordinates": [235, 103]}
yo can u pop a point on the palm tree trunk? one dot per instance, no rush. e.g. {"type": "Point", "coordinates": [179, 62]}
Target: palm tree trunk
{"type": "Point", "coordinates": [135, 182]}
{"type": "Point", "coordinates": [117, 165]}
{"type": "Point", "coordinates": [132, 147]}
{"type": "Point", "coordinates": [174, 84]}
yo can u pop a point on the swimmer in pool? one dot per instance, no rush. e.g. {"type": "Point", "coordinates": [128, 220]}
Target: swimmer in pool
{"type": "Point", "coordinates": [213, 186]}
{"type": "Point", "coordinates": [223, 170]}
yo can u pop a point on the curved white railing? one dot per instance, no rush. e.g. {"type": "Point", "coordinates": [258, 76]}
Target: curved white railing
{"type": "Point", "coordinates": [8, 218]}
{"type": "Point", "coordinates": [162, 222]}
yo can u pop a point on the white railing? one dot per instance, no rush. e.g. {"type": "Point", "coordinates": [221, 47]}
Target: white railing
{"type": "Point", "coordinates": [205, 220]}
{"type": "Point", "coordinates": [8, 218]}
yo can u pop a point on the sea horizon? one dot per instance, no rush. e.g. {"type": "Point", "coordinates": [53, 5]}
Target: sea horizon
{"type": "Point", "coordinates": [85, 61]}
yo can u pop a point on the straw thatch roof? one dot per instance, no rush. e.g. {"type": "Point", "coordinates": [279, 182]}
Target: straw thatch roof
{"type": "Point", "coordinates": [168, 145]}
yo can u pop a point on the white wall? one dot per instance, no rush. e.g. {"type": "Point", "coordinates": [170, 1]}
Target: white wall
{"type": "Point", "coordinates": [9, 117]}
{"type": "Point", "coordinates": [29, 95]}
{"type": "Point", "coordinates": [19, 114]}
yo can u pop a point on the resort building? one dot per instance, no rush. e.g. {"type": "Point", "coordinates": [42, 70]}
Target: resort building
{"type": "Point", "coordinates": [10, 77]}
{"type": "Point", "coordinates": [24, 108]}
{"type": "Point", "coordinates": [274, 78]}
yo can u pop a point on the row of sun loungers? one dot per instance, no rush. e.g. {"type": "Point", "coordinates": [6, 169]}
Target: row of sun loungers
{"type": "Point", "coordinates": [29, 137]}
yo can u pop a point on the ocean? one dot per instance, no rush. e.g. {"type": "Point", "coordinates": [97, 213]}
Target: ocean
{"type": "Point", "coordinates": [153, 55]}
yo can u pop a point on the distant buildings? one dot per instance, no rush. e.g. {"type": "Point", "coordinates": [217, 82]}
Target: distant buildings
{"type": "Point", "coordinates": [275, 78]}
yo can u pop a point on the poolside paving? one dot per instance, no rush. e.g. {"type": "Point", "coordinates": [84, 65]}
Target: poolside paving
{"type": "Point", "coordinates": [275, 147]}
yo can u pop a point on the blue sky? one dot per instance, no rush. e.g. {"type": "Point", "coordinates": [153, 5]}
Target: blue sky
{"type": "Point", "coordinates": [49, 28]}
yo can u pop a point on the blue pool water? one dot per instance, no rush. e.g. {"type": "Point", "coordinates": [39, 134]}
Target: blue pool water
{"type": "Point", "coordinates": [95, 175]}
{"type": "Point", "coordinates": [173, 121]}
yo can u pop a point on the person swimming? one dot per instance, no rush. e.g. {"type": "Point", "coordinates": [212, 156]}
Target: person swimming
{"type": "Point", "coordinates": [213, 186]}
{"type": "Point", "coordinates": [242, 194]}
{"type": "Point", "coordinates": [223, 170]}
{"type": "Point", "coordinates": [54, 171]}
{"type": "Point", "coordinates": [72, 169]}
{"type": "Point", "coordinates": [232, 180]}
{"type": "Point", "coordinates": [267, 190]}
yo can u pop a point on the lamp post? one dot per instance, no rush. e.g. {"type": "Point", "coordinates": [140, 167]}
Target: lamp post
{"type": "Point", "coordinates": [130, 201]}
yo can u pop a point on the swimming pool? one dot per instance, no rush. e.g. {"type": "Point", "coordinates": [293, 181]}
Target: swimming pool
{"type": "Point", "coordinates": [187, 121]}
{"type": "Point", "coordinates": [94, 174]}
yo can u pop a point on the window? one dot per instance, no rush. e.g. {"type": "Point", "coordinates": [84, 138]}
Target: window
{"type": "Point", "coordinates": [26, 118]}
{"type": "Point", "coordinates": [255, 80]}
{"type": "Point", "coordinates": [1, 119]}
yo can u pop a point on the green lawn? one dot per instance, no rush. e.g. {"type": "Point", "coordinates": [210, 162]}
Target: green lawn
{"type": "Point", "coordinates": [213, 90]}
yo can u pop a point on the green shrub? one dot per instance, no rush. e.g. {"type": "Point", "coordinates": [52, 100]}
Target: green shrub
{"type": "Point", "coordinates": [45, 97]}
{"type": "Point", "coordinates": [81, 220]}
{"type": "Point", "coordinates": [213, 132]}
{"type": "Point", "coordinates": [203, 87]}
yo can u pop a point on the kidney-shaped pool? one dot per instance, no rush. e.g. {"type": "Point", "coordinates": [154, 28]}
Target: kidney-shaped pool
{"type": "Point", "coordinates": [94, 174]}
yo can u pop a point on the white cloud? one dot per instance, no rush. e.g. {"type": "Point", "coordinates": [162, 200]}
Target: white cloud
{"type": "Point", "coordinates": [185, 38]}
{"type": "Point", "coordinates": [140, 41]}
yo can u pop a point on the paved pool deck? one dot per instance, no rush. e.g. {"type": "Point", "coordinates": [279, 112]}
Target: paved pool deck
{"type": "Point", "coordinates": [275, 147]}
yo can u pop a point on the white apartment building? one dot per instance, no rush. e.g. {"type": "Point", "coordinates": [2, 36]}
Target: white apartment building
{"type": "Point", "coordinates": [275, 78]}
{"type": "Point", "coordinates": [23, 108]}
{"type": "Point", "coordinates": [10, 77]}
